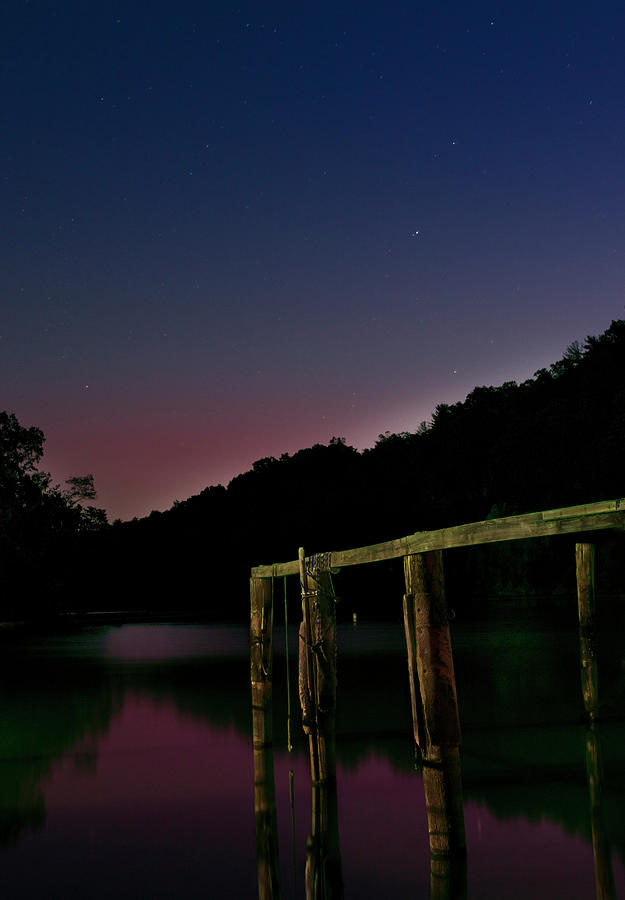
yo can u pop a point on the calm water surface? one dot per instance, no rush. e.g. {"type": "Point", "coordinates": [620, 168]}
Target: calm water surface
{"type": "Point", "coordinates": [126, 764]}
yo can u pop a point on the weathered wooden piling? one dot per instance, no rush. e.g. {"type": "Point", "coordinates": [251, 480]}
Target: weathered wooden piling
{"type": "Point", "coordinates": [317, 670]}
{"type": "Point", "coordinates": [261, 632]}
{"type": "Point", "coordinates": [585, 571]}
{"type": "Point", "coordinates": [261, 636]}
{"type": "Point", "coordinates": [325, 659]}
{"type": "Point", "coordinates": [416, 705]}
{"type": "Point", "coordinates": [308, 671]}
{"type": "Point", "coordinates": [436, 722]}
{"type": "Point", "coordinates": [317, 681]}
{"type": "Point", "coordinates": [434, 661]}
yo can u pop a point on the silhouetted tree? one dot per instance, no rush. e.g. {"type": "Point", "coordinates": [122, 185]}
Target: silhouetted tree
{"type": "Point", "coordinates": [37, 520]}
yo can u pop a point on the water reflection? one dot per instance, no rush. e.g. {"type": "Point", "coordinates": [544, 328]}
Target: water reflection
{"type": "Point", "coordinates": [43, 719]}
{"type": "Point", "coordinates": [139, 768]}
{"type": "Point", "coordinates": [604, 876]}
{"type": "Point", "coordinates": [266, 824]}
{"type": "Point", "coordinates": [323, 875]}
{"type": "Point", "coordinates": [442, 783]}
{"type": "Point", "coordinates": [324, 871]}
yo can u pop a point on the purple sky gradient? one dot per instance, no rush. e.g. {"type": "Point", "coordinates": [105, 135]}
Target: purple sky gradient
{"type": "Point", "coordinates": [231, 232]}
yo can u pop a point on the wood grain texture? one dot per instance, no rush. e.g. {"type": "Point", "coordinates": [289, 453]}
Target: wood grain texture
{"type": "Point", "coordinates": [575, 519]}
{"type": "Point", "coordinates": [261, 633]}
{"type": "Point", "coordinates": [585, 572]}
{"type": "Point", "coordinates": [418, 724]}
{"type": "Point", "coordinates": [434, 660]}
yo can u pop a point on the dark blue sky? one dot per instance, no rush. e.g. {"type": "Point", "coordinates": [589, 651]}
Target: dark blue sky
{"type": "Point", "coordinates": [232, 230]}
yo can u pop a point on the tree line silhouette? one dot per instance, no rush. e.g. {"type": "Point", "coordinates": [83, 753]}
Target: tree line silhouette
{"type": "Point", "coordinates": [554, 440]}
{"type": "Point", "coordinates": [41, 524]}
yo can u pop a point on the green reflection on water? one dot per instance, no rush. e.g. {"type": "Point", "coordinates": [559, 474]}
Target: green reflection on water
{"type": "Point", "coordinates": [520, 703]}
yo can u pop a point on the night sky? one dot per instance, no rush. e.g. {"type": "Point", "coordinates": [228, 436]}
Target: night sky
{"type": "Point", "coordinates": [232, 230]}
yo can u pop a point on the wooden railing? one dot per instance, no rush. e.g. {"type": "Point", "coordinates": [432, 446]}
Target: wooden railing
{"type": "Point", "coordinates": [569, 520]}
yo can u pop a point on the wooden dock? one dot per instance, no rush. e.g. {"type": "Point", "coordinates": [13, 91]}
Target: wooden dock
{"type": "Point", "coordinates": [436, 720]}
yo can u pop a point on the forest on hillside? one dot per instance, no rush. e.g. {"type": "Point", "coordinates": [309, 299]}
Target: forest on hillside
{"type": "Point", "coordinates": [554, 440]}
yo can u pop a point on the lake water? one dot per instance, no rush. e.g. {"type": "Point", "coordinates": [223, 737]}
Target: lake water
{"type": "Point", "coordinates": [126, 765]}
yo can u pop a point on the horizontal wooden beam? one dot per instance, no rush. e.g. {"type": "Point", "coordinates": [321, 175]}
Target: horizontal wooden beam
{"type": "Point", "coordinates": [571, 520]}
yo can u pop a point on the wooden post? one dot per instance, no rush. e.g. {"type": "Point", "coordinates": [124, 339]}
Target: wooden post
{"type": "Point", "coordinates": [418, 724]}
{"type": "Point", "coordinates": [324, 877]}
{"type": "Point", "coordinates": [307, 671]}
{"type": "Point", "coordinates": [325, 662]}
{"type": "Point", "coordinates": [261, 628]}
{"type": "Point", "coordinates": [317, 675]}
{"type": "Point", "coordinates": [438, 710]}
{"type": "Point", "coordinates": [261, 634]}
{"type": "Point", "coordinates": [435, 665]}
{"type": "Point", "coordinates": [585, 570]}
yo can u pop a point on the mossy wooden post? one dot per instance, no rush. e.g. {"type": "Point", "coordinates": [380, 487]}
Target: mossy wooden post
{"type": "Point", "coordinates": [425, 598]}
{"type": "Point", "coordinates": [435, 667]}
{"type": "Point", "coordinates": [307, 671]}
{"type": "Point", "coordinates": [261, 634]}
{"type": "Point", "coordinates": [418, 725]}
{"type": "Point", "coordinates": [317, 676]}
{"type": "Point", "coordinates": [324, 877]}
{"type": "Point", "coordinates": [325, 663]}
{"type": "Point", "coordinates": [261, 629]}
{"type": "Point", "coordinates": [585, 570]}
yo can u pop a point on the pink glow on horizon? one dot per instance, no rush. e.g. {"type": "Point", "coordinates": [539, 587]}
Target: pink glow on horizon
{"type": "Point", "coordinates": [150, 438]}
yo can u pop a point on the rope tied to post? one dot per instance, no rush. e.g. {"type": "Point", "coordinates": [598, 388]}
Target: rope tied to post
{"type": "Point", "coordinates": [317, 653]}
{"type": "Point", "coordinates": [317, 564]}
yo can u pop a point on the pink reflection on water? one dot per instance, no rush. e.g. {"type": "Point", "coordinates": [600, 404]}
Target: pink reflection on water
{"type": "Point", "coordinates": [517, 858]}
{"type": "Point", "coordinates": [153, 642]}
{"type": "Point", "coordinates": [165, 809]}
{"type": "Point", "coordinates": [385, 850]}
{"type": "Point", "coordinates": [155, 756]}
{"type": "Point", "coordinates": [384, 833]}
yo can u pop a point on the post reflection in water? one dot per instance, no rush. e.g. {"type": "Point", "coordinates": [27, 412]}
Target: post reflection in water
{"type": "Point", "coordinates": [125, 772]}
{"type": "Point", "coordinates": [604, 876]}
{"type": "Point", "coordinates": [442, 782]}
{"type": "Point", "coordinates": [261, 634]}
{"type": "Point", "coordinates": [266, 824]}
{"type": "Point", "coordinates": [324, 876]}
